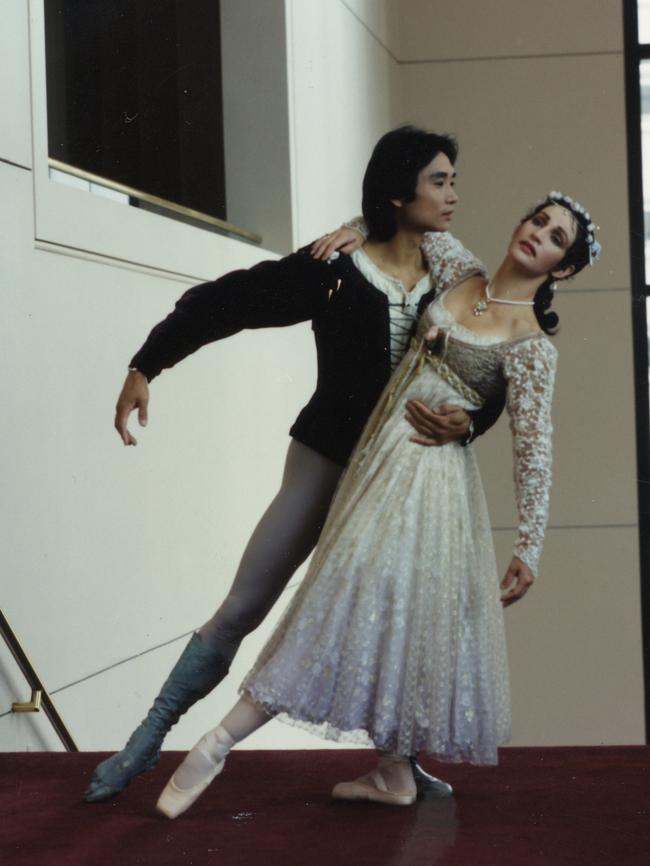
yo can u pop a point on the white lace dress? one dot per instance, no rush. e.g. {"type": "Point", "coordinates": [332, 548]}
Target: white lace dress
{"type": "Point", "coordinates": [396, 635]}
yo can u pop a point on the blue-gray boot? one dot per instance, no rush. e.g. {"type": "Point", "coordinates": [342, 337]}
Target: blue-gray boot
{"type": "Point", "coordinates": [429, 787]}
{"type": "Point", "coordinates": [199, 669]}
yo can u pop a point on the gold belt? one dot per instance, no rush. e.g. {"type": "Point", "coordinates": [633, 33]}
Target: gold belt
{"type": "Point", "coordinates": [444, 371]}
{"type": "Point", "coordinates": [400, 382]}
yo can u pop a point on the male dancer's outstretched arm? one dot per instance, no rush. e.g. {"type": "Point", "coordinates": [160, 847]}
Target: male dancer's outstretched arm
{"type": "Point", "coordinates": [270, 294]}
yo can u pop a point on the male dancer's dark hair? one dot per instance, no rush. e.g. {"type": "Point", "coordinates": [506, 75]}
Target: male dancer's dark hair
{"type": "Point", "coordinates": [392, 173]}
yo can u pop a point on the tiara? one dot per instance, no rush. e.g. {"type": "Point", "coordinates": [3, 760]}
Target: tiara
{"type": "Point", "coordinates": [593, 245]}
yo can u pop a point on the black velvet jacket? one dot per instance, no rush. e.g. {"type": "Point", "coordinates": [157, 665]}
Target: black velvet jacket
{"type": "Point", "coordinates": [350, 321]}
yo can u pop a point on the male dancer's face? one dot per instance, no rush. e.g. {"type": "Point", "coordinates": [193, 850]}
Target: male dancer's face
{"type": "Point", "coordinates": [435, 199]}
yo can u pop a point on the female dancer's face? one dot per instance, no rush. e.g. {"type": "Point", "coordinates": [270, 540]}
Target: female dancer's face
{"type": "Point", "coordinates": [540, 243]}
{"type": "Point", "coordinates": [435, 199]}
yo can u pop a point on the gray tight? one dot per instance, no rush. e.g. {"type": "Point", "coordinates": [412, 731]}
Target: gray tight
{"type": "Point", "coordinates": [282, 540]}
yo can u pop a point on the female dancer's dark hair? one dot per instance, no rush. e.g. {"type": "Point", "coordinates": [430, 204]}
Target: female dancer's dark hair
{"type": "Point", "coordinates": [577, 256]}
{"type": "Point", "coordinates": [392, 173]}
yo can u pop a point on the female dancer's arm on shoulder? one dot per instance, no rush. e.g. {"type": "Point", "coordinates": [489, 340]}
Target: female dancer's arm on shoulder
{"type": "Point", "coordinates": [346, 239]}
{"type": "Point", "coordinates": [529, 369]}
{"type": "Point", "coordinates": [449, 261]}
{"type": "Point", "coordinates": [270, 294]}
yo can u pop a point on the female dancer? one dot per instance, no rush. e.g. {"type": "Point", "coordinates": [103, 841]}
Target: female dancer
{"type": "Point", "coordinates": [395, 638]}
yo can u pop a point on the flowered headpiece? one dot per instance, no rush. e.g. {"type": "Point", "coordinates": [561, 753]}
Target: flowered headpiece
{"type": "Point", "coordinates": [566, 201]}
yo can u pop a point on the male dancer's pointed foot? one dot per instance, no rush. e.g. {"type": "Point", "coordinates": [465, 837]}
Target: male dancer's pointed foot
{"type": "Point", "coordinates": [429, 787]}
{"type": "Point", "coordinates": [113, 775]}
{"type": "Point", "coordinates": [200, 668]}
{"type": "Point", "coordinates": [200, 767]}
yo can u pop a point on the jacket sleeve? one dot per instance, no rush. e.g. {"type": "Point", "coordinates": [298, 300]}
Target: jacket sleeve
{"type": "Point", "coordinates": [486, 416]}
{"type": "Point", "coordinates": [270, 294]}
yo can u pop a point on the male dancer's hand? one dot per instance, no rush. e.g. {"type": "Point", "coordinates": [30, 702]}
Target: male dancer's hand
{"type": "Point", "coordinates": [345, 240]}
{"type": "Point", "coordinates": [518, 580]}
{"type": "Point", "coordinates": [437, 426]}
{"type": "Point", "coordinates": [134, 395]}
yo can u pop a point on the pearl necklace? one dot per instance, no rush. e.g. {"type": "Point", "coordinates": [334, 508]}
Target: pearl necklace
{"type": "Point", "coordinates": [481, 306]}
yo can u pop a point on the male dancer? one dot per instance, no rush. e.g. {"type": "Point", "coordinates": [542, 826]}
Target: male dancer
{"type": "Point", "coordinates": [360, 337]}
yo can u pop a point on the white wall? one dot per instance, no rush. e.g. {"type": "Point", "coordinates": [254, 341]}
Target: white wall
{"type": "Point", "coordinates": [256, 119]}
{"type": "Point", "coordinates": [113, 552]}
{"type": "Point", "coordinates": [341, 86]}
{"type": "Point", "coordinates": [535, 93]}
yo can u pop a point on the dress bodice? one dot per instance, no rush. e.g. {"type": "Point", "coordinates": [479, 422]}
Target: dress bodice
{"type": "Point", "coordinates": [479, 359]}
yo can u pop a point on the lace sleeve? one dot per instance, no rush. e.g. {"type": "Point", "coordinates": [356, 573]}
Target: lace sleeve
{"type": "Point", "coordinates": [529, 368]}
{"type": "Point", "coordinates": [359, 225]}
{"type": "Point", "coordinates": [449, 260]}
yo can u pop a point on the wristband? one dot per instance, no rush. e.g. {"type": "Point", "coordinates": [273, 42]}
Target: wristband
{"type": "Point", "coordinates": [469, 436]}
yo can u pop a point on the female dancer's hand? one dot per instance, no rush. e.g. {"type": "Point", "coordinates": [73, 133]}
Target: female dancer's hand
{"type": "Point", "coordinates": [134, 395]}
{"type": "Point", "coordinates": [345, 240]}
{"type": "Point", "coordinates": [437, 426]}
{"type": "Point", "coordinates": [518, 580]}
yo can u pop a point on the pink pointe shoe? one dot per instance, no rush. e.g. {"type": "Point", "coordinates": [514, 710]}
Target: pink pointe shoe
{"type": "Point", "coordinates": [371, 787]}
{"type": "Point", "coordinates": [213, 747]}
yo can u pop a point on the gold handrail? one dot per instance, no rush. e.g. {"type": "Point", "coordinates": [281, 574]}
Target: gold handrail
{"type": "Point", "coordinates": [40, 697]}
{"type": "Point", "coordinates": [132, 192]}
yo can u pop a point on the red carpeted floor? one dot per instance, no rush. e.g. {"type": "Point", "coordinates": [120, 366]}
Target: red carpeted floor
{"type": "Point", "coordinates": [553, 806]}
